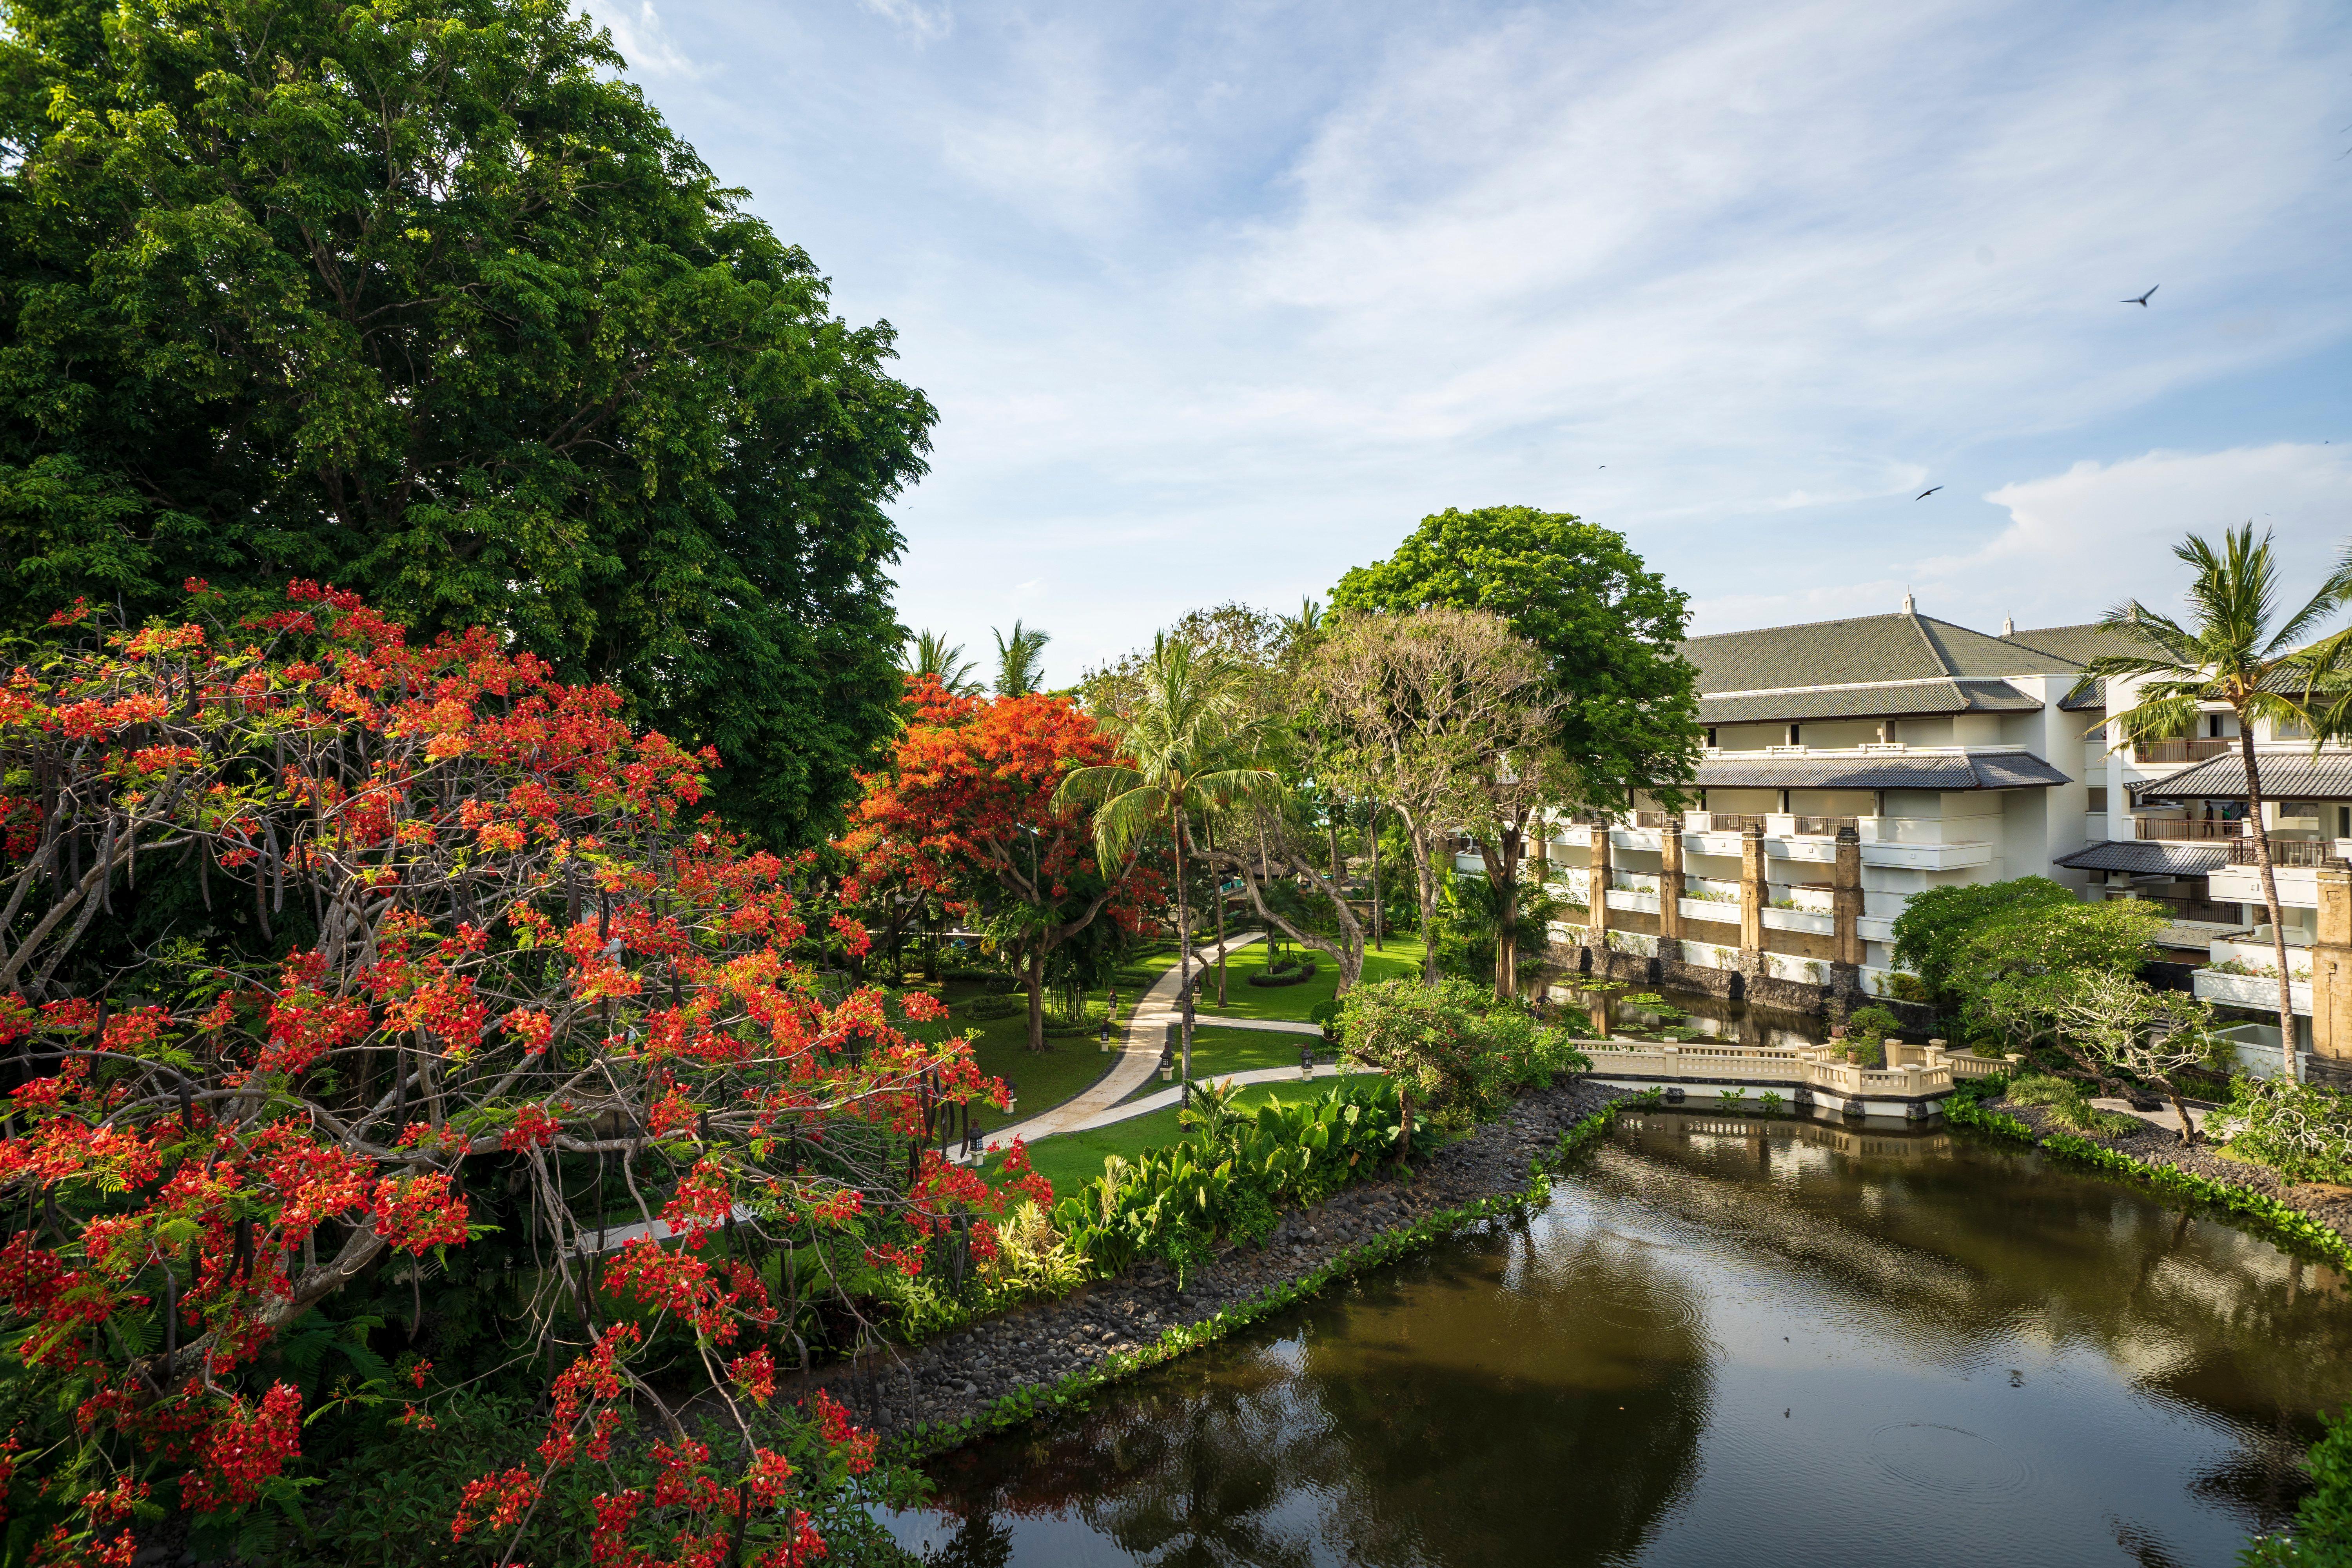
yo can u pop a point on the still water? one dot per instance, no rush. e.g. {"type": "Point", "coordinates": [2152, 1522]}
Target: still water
{"type": "Point", "coordinates": [1723, 1341]}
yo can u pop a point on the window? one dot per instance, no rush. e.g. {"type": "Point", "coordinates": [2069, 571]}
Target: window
{"type": "Point", "coordinates": [2289, 729]}
{"type": "Point", "coordinates": [1710, 736]}
{"type": "Point", "coordinates": [2098, 797]}
{"type": "Point", "coordinates": [1794, 730]}
{"type": "Point", "coordinates": [2299, 808]}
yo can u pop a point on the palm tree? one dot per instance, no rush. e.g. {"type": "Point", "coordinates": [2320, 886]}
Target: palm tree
{"type": "Point", "coordinates": [1179, 738]}
{"type": "Point", "coordinates": [1019, 660]}
{"type": "Point", "coordinates": [930, 653]}
{"type": "Point", "coordinates": [2230, 653]}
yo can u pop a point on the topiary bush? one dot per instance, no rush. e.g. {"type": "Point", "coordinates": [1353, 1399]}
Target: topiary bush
{"type": "Point", "coordinates": [996, 1005]}
{"type": "Point", "coordinates": [1294, 972]}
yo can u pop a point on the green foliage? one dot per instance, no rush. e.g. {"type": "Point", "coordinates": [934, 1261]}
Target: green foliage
{"type": "Point", "coordinates": [1872, 1024]}
{"type": "Point", "coordinates": [2069, 1102]}
{"type": "Point", "coordinates": [2322, 1537]}
{"type": "Point", "coordinates": [1933, 927]}
{"type": "Point", "coordinates": [428, 300]}
{"type": "Point", "coordinates": [1458, 1051]}
{"type": "Point", "coordinates": [1611, 628]}
{"type": "Point", "coordinates": [1295, 970]}
{"type": "Point", "coordinates": [2303, 1131]}
{"type": "Point", "coordinates": [1771, 1102]}
{"type": "Point", "coordinates": [1227, 1175]}
{"type": "Point", "coordinates": [1905, 987]}
{"type": "Point", "coordinates": [996, 1005]}
{"type": "Point", "coordinates": [1866, 1050]}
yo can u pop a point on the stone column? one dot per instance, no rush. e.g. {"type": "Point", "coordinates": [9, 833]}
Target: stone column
{"type": "Point", "coordinates": [2331, 963]}
{"type": "Point", "coordinates": [1845, 919]}
{"type": "Point", "coordinates": [1755, 893]}
{"type": "Point", "coordinates": [1596, 893]}
{"type": "Point", "coordinates": [1670, 889]}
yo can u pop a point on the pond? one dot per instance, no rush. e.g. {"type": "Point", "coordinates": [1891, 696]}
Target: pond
{"type": "Point", "coordinates": [1723, 1340]}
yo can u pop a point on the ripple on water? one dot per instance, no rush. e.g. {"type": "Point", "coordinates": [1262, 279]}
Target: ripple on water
{"type": "Point", "coordinates": [1950, 1460]}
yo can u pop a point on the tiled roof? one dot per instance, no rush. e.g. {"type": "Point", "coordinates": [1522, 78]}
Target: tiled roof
{"type": "Point", "coordinates": [1975, 770]}
{"type": "Point", "coordinates": [1869, 702]}
{"type": "Point", "coordinates": [1901, 647]}
{"type": "Point", "coordinates": [2148, 859]}
{"type": "Point", "coordinates": [2092, 699]}
{"type": "Point", "coordinates": [2079, 644]}
{"type": "Point", "coordinates": [2302, 776]}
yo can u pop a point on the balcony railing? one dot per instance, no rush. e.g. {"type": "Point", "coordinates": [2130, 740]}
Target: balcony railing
{"type": "Point", "coordinates": [2284, 851]}
{"type": "Point", "coordinates": [2197, 911]}
{"type": "Point", "coordinates": [1824, 826]}
{"type": "Point", "coordinates": [1654, 818]}
{"type": "Point", "coordinates": [2178, 830]}
{"type": "Point", "coordinates": [1732, 821]}
{"type": "Point", "coordinates": [2195, 750]}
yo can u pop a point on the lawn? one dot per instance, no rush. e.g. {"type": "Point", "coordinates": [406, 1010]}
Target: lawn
{"type": "Point", "coordinates": [1070, 1158]}
{"type": "Point", "coordinates": [1001, 1046]}
{"type": "Point", "coordinates": [1290, 1002]}
{"type": "Point", "coordinates": [1216, 1052]}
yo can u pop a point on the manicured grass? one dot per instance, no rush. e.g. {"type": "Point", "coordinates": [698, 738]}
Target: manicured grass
{"type": "Point", "coordinates": [1242, 1000]}
{"type": "Point", "coordinates": [1001, 1046]}
{"type": "Point", "coordinates": [1070, 1158]}
{"type": "Point", "coordinates": [1216, 1052]}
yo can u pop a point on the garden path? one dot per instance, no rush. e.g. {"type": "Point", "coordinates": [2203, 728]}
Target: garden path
{"type": "Point", "coordinates": [1138, 1057]}
{"type": "Point", "coordinates": [1323, 1073]}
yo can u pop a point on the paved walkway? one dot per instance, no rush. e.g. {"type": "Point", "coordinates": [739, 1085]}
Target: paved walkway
{"type": "Point", "coordinates": [1323, 1073]}
{"type": "Point", "coordinates": [1138, 1057]}
{"type": "Point", "coordinates": [2164, 1116]}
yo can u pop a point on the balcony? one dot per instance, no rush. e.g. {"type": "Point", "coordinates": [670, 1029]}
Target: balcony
{"type": "Point", "coordinates": [2186, 830]}
{"type": "Point", "coordinates": [1824, 827]}
{"type": "Point", "coordinates": [2174, 753]}
{"type": "Point", "coordinates": [2299, 853]}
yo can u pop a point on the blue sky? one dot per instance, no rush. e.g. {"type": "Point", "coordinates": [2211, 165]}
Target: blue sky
{"type": "Point", "coordinates": [1217, 299]}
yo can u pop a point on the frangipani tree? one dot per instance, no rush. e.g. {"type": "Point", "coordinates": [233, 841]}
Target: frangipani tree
{"type": "Point", "coordinates": [2236, 650]}
{"type": "Point", "coordinates": [1178, 740]}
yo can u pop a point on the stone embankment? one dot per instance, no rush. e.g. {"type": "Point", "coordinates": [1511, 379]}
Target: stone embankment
{"type": "Point", "coordinates": [2159, 1147]}
{"type": "Point", "coordinates": [960, 1375]}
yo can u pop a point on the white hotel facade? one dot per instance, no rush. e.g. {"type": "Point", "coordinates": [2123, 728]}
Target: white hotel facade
{"type": "Point", "coordinates": [1851, 764]}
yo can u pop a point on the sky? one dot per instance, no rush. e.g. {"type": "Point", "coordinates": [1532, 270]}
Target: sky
{"type": "Point", "coordinates": [1218, 299]}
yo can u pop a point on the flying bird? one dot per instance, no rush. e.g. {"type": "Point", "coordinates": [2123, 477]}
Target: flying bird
{"type": "Point", "coordinates": [2142, 300]}
{"type": "Point", "coordinates": [1923, 495]}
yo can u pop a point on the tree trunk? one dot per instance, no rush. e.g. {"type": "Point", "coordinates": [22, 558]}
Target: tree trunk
{"type": "Point", "coordinates": [1425, 873]}
{"type": "Point", "coordinates": [1036, 999]}
{"type": "Point", "coordinates": [1372, 819]}
{"type": "Point", "coordinates": [2270, 895]}
{"type": "Point", "coordinates": [1218, 887]}
{"type": "Point", "coordinates": [1332, 822]}
{"type": "Point", "coordinates": [1184, 962]}
{"type": "Point", "coordinates": [1502, 863]}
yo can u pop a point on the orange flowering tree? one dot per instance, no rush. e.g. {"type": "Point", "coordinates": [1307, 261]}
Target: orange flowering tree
{"type": "Point", "coordinates": [965, 813]}
{"type": "Point", "coordinates": [501, 951]}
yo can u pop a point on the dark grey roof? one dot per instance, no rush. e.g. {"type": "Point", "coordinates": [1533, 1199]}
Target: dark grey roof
{"type": "Point", "coordinates": [2092, 699]}
{"type": "Point", "coordinates": [2300, 776]}
{"type": "Point", "coordinates": [1867, 648]}
{"type": "Point", "coordinates": [1869, 702]}
{"type": "Point", "coordinates": [1976, 769]}
{"type": "Point", "coordinates": [2080, 644]}
{"type": "Point", "coordinates": [2148, 859]}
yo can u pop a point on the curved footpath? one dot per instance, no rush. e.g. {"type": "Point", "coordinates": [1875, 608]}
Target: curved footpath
{"type": "Point", "coordinates": [1138, 1057]}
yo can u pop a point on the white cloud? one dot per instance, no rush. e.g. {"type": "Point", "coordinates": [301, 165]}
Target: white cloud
{"type": "Point", "coordinates": [914, 19]}
{"type": "Point", "coordinates": [644, 42]}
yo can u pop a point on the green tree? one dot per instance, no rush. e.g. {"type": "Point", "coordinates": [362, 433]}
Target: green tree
{"type": "Point", "coordinates": [426, 300]}
{"type": "Point", "coordinates": [1178, 737]}
{"type": "Point", "coordinates": [1611, 628]}
{"type": "Point", "coordinates": [2234, 650]}
{"type": "Point", "coordinates": [1935, 925]}
{"type": "Point", "coordinates": [1020, 661]}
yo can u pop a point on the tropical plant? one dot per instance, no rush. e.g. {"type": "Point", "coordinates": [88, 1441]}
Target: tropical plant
{"type": "Point", "coordinates": [1175, 745]}
{"type": "Point", "coordinates": [928, 656]}
{"type": "Point", "coordinates": [1935, 923]}
{"type": "Point", "coordinates": [505, 961]}
{"type": "Point", "coordinates": [1454, 1050]}
{"type": "Point", "coordinates": [2112, 1031]}
{"type": "Point", "coordinates": [2322, 1537]}
{"type": "Point", "coordinates": [2303, 1131]}
{"type": "Point", "coordinates": [435, 307]}
{"type": "Point", "coordinates": [2235, 651]}
{"type": "Point", "coordinates": [1020, 661]}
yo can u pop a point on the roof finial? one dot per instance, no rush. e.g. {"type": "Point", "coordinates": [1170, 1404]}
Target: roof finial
{"type": "Point", "coordinates": [2131, 612]}
{"type": "Point", "coordinates": [1909, 605]}
{"type": "Point", "coordinates": [2008, 626]}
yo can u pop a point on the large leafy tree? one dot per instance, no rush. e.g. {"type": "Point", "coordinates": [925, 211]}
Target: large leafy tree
{"type": "Point", "coordinates": [424, 299]}
{"type": "Point", "coordinates": [2240, 647]}
{"type": "Point", "coordinates": [967, 814]}
{"type": "Point", "coordinates": [1610, 627]}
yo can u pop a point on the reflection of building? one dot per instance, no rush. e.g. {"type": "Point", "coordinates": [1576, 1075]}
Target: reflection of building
{"type": "Point", "coordinates": [1851, 764]}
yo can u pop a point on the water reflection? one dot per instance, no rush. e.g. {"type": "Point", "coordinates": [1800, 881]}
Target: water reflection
{"type": "Point", "coordinates": [1694, 1014]}
{"type": "Point", "coordinates": [1726, 1340]}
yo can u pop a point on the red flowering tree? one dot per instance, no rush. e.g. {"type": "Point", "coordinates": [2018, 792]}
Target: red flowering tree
{"type": "Point", "coordinates": [518, 950]}
{"type": "Point", "coordinates": [965, 812]}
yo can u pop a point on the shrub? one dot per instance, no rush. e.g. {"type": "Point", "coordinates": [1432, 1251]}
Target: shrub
{"type": "Point", "coordinates": [2069, 1102]}
{"type": "Point", "coordinates": [1872, 1023]}
{"type": "Point", "coordinates": [995, 1005]}
{"type": "Point", "coordinates": [1457, 1051]}
{"type": "Point", "coordinates": [1908, 988]}
{"type": "Point", "coordinates": [1292, 971]}
{"type": "Point", "coordinates": [2323, 1522]}
{"type": "Point", "coordinates": [1867, 1050]}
